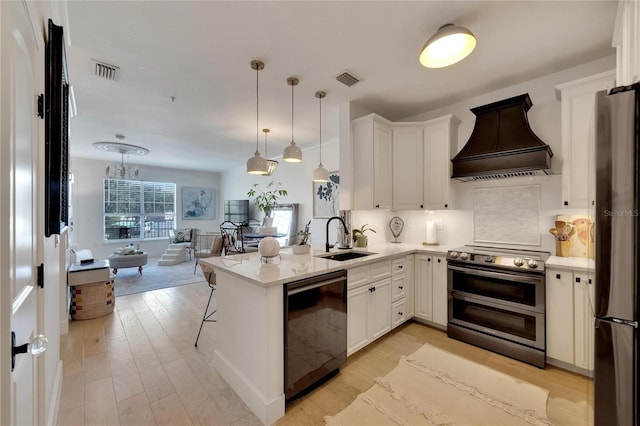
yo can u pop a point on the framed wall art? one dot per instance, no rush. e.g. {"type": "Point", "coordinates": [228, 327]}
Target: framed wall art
{"type": "Point", "coordinates": [326, 197]}
{"type": "Point", "coordinates": [198, 203]}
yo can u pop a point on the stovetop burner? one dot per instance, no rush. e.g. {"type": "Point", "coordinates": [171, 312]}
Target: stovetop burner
{"type": "Point", "coordinates": [502, 258]}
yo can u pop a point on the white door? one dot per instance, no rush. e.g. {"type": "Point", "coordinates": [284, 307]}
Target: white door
{"type": "Point", "coordinates": [18, 139]}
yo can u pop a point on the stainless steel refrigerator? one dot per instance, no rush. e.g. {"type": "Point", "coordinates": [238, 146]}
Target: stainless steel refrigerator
{"type": "Point", "coordinates": [617, 235]}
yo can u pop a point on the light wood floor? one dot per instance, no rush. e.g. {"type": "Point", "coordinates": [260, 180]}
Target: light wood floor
{"type": "Point", "coordinates": [138, 366]}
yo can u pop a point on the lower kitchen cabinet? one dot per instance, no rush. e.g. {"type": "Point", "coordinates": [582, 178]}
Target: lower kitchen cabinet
{"type": "Point", "coordinates": [368, 304]}
{"type": "Point", "coordinates": [401, 290]}
{"type": "Point", "coordinates": [430, 284]}
{"type": "Point", "coordinates": [569, 309]}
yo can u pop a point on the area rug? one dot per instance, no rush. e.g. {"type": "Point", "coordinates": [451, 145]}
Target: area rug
{"type": "Point", "coordinates": [434, 387]}
{"type": "Point", "coordinates": [154, 277]}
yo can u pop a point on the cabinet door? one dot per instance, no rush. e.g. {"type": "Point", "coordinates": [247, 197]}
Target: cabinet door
{"type": "Point", "coordinates": [410, 286]}
{"type": "Point", "coordinates": [578, 100]}
{"type": "Point", "coordinates": [357, 318]}
{"type": "Point", "coordinates": [439, 141]}
{"type": "Point", "coordinates": [559, 322]}
{"type": "Point", "coordinates": [382, 166]}
{"type": "Point", "coordinates": [423, 286]}
{"type": "Point", "coordinates": [439, 302]}
{"type": "Point", "coordinates": [583, 294]}
{"type": "Point", "coordinates": [380, 308]}
{"type": "Point", "coordinates": [407, 167]}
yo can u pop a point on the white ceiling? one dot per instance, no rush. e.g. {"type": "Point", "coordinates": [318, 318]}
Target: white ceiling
{"type": "Point", "coordinates": [200, 53]}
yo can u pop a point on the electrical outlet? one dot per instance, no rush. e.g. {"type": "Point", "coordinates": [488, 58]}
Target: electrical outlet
{"type": "Point", "coordinates": [439, 225]}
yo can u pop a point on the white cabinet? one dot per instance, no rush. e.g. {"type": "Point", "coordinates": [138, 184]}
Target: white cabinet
{"type": "Point", "coordinates": [430, 284]}
{"type": "Point", "coordinates": [422, 163]}
{"type": "Point", "coordinates": [439, 290]}
{"type": "Point", "coordinates": [401, 290]}
{"type": "Point", "coordinates": [578, 107]}
{"type": "Point", "coordinates": [440, 144]}
{"type": "Point", "coordinates": [626, 39]}
{"type": "Point", "coordinates": [368, 304]}
{"type": "Point", "coordinates": [372, 163]}
{"type": "Point", "coordinates": [408, 168]}
{"type": "Point", "coordinates": [569, 306]}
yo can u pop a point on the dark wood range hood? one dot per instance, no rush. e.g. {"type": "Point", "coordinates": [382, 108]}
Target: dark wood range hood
{"type": "Point", "coordinates": [502, 144]}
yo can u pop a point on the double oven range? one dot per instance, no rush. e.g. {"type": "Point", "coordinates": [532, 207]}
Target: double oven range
{"type": "Point", "coordinates": [497, 300]}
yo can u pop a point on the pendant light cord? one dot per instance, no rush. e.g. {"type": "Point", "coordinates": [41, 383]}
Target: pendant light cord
{"type": "Point", "coordinates": [320, 130]}
{"type": "Point", "coordinates": [257, 111]}
{"type": "Point", "coordinates": [292, 113]}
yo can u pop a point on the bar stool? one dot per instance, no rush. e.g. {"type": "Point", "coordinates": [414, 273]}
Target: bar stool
{"type": "Point", "coordinates": [210, 276]}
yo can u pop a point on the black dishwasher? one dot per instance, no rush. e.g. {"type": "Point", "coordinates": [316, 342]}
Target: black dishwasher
{"type": "Point", "coordinates": [315, 331]}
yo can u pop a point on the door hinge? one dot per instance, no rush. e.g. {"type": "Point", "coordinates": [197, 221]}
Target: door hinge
{"type": "Point", "coordinates": [40, 276]}
{"type": "Point", "coordinates": [41, 106]}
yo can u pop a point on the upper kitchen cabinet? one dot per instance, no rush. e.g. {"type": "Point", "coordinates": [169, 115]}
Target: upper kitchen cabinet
{"type": "Point", "coordinates": [440, 144]}
{"type": "Point", "coordinates": [372, 167]}
{"type": "Point", "coordinates": [626, 39]}
{"type": "Point", "coordinates": [408, 166]}
{"type": "Point", "coordinates": [421, 163]}
{"type": "Point", "coordinates": [578, 106]}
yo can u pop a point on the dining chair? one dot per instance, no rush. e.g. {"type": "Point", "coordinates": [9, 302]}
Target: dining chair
{"type": "Point", "coordinates": [203, 247]}
{"type": "Point", "coordinates": [210, 277]}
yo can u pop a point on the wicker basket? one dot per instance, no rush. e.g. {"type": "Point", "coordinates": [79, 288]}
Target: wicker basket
{"type": "Point", "coordinates": [94, 300]}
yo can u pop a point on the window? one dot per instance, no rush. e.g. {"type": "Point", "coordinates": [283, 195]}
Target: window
{"type": "Point", "coordinates": [137, 210]}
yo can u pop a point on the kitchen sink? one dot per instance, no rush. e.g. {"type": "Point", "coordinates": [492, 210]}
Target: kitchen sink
{"type": "Point", "coordinates": [347, 255]}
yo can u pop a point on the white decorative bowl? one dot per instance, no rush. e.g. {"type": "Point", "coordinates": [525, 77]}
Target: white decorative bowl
{"type": "Point", "coordinates": [268, 230]}
{"type": "Point", "coordinates": [300, 249]}
{"type": "Point", "coordinates": [269, 247]}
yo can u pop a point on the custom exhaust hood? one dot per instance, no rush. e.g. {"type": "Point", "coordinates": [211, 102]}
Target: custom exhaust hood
{"type": "Point", "coordinates": [502, 144]}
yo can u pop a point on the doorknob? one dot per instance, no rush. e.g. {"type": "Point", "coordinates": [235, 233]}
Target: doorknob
{"type": "Point", "coordinates": [37, 345]}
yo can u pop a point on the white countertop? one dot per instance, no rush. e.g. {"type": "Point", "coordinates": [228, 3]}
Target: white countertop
{"type": "Point", "coordinates": [573, 263]}
{"type": "Point", "coordinates": [291, 267]}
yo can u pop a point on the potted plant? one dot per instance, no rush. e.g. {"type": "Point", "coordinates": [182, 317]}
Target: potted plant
{"type": "Point", "coordinates": [358, 235]}
{"type": "Point", "coordinates": [266, 198]}
{"type": "Point", "coordinates": [303, 245]}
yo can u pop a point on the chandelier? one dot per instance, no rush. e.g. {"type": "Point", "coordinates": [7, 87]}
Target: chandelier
{"type": "Point", "coordinates": [121, 171]}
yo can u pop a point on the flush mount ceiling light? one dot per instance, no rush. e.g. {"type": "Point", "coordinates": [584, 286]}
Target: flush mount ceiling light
{"type": "Point", "coordinates": [257, 165]}
{"type": "Point", "coordinates": [292, 153]}
{"type": "Point", "coordinates": [272, 165]}
{"type": "Point", "coordinates": [121, 171]}
{"type": "Point", "coordinates": [450, 44]}
{"type": "Point", "coordinates": [320, 174]}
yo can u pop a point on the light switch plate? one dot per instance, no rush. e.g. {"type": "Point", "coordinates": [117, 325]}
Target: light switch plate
{"type": "Point", "coordinates": [439, 225]}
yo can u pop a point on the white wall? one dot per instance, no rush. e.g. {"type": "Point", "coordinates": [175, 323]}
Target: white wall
{"type": "Point", "coordinates": [545, 120]}
{"type": "Point", "coordinates": [88, 214]}
{"type": "Point", "coordinates": [296, 179]}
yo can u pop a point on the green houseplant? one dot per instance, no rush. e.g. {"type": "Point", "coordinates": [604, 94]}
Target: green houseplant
{"type": "Point", "coordinates": [303, 241]}
{"type": "Point", "coordinates": [359, 237]}
{"type": "Point", "coordinates": [266, 197]}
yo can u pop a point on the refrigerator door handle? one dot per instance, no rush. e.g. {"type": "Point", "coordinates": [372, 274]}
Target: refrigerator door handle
{"type": "Point", "coordinates": [621, 321]}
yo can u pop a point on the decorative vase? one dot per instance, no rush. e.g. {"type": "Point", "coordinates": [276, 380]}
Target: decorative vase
{"type": "Point", "coordinates": [269, 247]}
{"type": "Point", "coordinates": [267, 222]}
{"type": "Point", "coordinates": [300, 249]}
{"type": "Point", "coordinates": [563, 248]}
{"type": "Point", "coordinates": [361, 241]}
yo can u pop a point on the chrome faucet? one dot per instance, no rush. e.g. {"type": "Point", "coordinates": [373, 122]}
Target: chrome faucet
{"type": "Point", "coordinates": [346, 230]}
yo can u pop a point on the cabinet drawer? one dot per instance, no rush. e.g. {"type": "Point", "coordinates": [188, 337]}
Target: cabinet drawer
{"type": "Point", "coordinates": [398, 313]}
{"type": "Point", "coordinates": [398, 265]}
{"type": "Point", "coordinates": [357, 277]}
{"type": "Point", "coordinates": [398, 286]}
{"type": "Point", "coordinates": [380, 270]}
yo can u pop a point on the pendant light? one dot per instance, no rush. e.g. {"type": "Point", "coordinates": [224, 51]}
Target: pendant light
{"type": "Point", "coordinates": [272, 165]}
{"type": "Point", "coordinates": [292, 153]}
{"type": "Point", "coordinates": [320, 174]}
{"type": "Point", "coordinates": [257, 165]}
{"type": "Point", "coordinates": [449, 45]}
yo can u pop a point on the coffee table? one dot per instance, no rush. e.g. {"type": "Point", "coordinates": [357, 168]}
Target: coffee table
{"type": "Point", "coordinates": [118, 261]}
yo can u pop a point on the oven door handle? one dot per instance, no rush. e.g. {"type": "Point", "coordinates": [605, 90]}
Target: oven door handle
{"type": "Point", "coordinates": [499, 275]}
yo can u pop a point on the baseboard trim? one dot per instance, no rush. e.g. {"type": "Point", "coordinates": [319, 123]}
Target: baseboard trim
{"type": "Point", "coordinates": [52, 412]}
{"type": "Point", "coordinates": [266, 411]}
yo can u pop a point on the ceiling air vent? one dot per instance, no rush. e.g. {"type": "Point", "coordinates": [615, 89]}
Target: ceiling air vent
{"type": "Point", "coordinates": [102, 70]}
{"type": "Point", "coordinates": [347, 79]}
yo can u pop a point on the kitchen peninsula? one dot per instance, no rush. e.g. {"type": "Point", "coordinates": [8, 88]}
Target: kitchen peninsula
{"type": "Point", "coordinates": [250, 340]}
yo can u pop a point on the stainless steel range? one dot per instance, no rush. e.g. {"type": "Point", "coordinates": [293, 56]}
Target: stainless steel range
{"type": "Point", "coordinates": [497, 300]}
